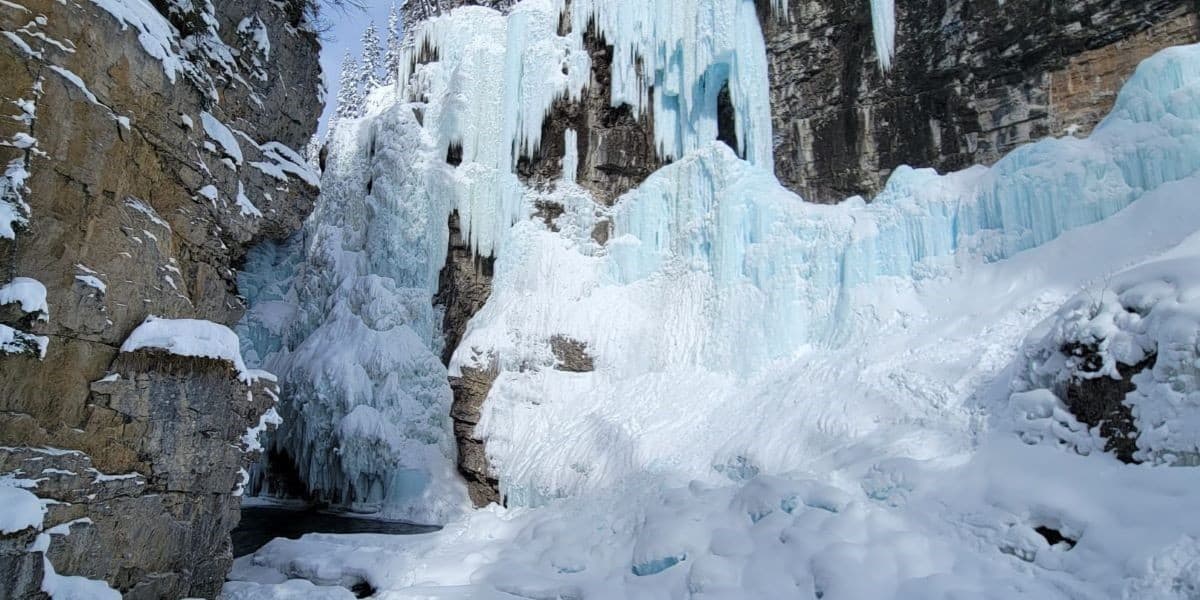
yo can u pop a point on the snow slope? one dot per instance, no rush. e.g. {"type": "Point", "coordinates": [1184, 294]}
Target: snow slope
{"type": "Point", "coordinates": [789, 400]}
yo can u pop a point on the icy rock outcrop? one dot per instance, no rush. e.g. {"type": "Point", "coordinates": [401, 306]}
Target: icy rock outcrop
{"type": "Point", "coordinates": [550, 84]}
{"type": "Point", "coordinates": [969, 82]}
{"type": "Point", "coordinates": [1118, 367]}
{"type": "Point", "coordinates": [134, 136]}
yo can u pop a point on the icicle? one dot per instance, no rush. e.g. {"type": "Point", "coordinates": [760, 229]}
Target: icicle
{"type": "Point", "coordinates": [570, 161]}
{"type": "Point", "coordinates": [883, 20]}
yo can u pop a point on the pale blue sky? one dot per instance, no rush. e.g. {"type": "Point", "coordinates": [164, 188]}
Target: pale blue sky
{"type": "Point", "coordinates": [345, 35]}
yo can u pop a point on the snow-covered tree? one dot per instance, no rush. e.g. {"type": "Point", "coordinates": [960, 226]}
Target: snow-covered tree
{"type": "Point", "coordinates": [349, 100]}
{"type": "Point", "coordinates": [372, 59]}
{"type": "Point", "coordinates": [391, 60]}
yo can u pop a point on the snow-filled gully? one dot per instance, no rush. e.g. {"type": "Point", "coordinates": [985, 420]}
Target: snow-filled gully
{"type": "Point", "coordinates": [789, 400]}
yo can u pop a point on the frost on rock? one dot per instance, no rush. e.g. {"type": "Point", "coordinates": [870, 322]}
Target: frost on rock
{"type": "Point", "coordinates": [366, 424]}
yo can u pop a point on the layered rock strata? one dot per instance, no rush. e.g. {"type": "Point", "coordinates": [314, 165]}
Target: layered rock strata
{"type": "Point", "coordinates": [148, 147]}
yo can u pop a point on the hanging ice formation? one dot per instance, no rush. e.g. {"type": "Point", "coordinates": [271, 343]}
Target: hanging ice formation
{"type": "Point", "coordinates": [716, 270]}
{"type": "Point", "coordinates": [718, 274]}
{"type": "Point", "coordinates": [344, 313]}
{"type": "Point", "coordinates": [496, 77]}
{"type": "Point", "coordinates": [883, 25]}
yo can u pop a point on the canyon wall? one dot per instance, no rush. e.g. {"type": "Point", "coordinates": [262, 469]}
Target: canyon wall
{"type": "Point", "coordinates": [147, 149]}
{"type": "Point", "coordinates": [970, 81]}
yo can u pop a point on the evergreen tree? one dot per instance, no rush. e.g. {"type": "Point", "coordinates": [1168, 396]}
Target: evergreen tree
{"type": "Point", "coordinates": [391, 61]}
{"type": "Point", "coordinates": [349, 101]}
{"type": "Point", "coordinates": [372, 59]}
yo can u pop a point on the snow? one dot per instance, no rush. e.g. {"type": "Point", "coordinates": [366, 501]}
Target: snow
{"type": "Point", "coordinates": [285, 162]}
{"type": "Point", "coordinates": [100, 477]}
{"type": "Point", "coordinates": [13, 341]}
{"type": "Point", "coordinates": [244, 204]}
{"type": "Point", "coordinates": [219, 133]}
{"type": "Point", "coordinates": [146, 210]}
{"type": "Point", "coordinates": [188, 337]}
{"type": "Point", "coordinates": [156, 35]}
{"type": "Point", "coordinates": [1148, 311]}
{"type": "Point", "coordinates": [209, 192]}
{"type": "Point", "coordinates": [93, 282]}
{"type": "Point", "coordinates": [29, 293]}
{"type": "Point", "coordinates": [251, 440]}
{"type": "Point", "coordinates": [14, 212]}
{"type": "Point", "coordinates": [295, 589]}
{"type": "Point", "coordinates": [69, 587]}
{"type": "Point", "coordinates": [789, 400]}
{"type": "Point", "coordinates": [82, 87]}
{"type": "Point", "coordinates": [22, 510]}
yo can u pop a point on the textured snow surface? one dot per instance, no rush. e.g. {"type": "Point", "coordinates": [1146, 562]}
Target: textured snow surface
{"type": "Point", "coordinates": [188, 337]}
{"type": "Point", "coordinates": [27, 292]}
{"type": "Point", "coordinates": [22, 509]}
{"type": "Point", "coordinates": [789, 400]}
{"type": "Point", "coordinates": [1151, 311]}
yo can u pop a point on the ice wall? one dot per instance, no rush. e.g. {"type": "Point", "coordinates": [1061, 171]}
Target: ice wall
{"type": "Point", "coordinates": [494, 77]}
{"type": "Point", "coordinates": [718, 282]}
{"type": "Point", "coordinates": [344, 315]}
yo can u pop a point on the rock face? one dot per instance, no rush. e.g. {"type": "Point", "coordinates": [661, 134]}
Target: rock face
{"type": "Point", "coordinates": [145, 152]}
{"type": "Point", "coordinates": [465, 285]}
{"type": "Point", "coordinates": [616, 150]}
{"type": "Point", "coordinates": [970, 80]}
{"type": "Point", "coordinates": [1099, 401]}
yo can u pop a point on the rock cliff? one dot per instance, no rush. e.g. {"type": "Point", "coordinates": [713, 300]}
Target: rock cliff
{"type": "Point", "coordinates": [970, 81]}
{"type": "Point", "coordinates": [149, 145]}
